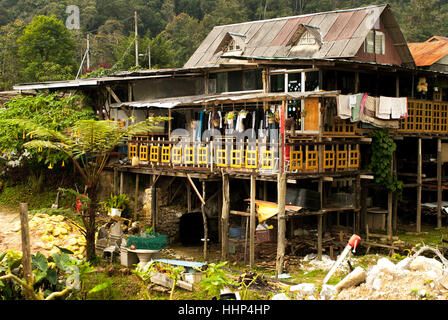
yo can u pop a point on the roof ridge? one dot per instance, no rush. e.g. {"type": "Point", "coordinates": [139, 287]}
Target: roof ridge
{"type": "Point", "coordinates": [304, 15]}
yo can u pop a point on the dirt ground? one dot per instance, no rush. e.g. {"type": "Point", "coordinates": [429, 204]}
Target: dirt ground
{"type": "Point", "coordinates": [11, 240]}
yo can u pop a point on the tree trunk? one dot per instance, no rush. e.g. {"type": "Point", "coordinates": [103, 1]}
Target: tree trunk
{"type": "Point", "coordinates": [90, 224]}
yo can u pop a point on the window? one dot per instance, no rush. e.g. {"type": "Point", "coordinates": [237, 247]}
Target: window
{"type": "Point", "coordinates": [307, 38]}
{"type": "Point", "coordinates": [375, 42]}
{"type": "Point", "coordinates": [233, 46]}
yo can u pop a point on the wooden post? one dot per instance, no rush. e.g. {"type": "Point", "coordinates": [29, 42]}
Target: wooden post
{"type": "Point", "coordinates": [390, 203]}
{"type": "Point", "coordinates": [115, 180]}
{"type": "Point", "coordinates": [281, 232]}
{"type": "Point", "coordinates": [189, 197]}
{"type": "Point", "coordinates": [225, 216]}
{"type": "Point", "coordinates": [319, 236]}
{"type": "Point", "coordinates": [137, 176]}
{"type": "Point", "coordinates": [153, 203]}
{"type": "Point", "coordinates": [439, 183]}
{"type": "Point", "coordinates": [204, 221]}
{"type": "Point", "coordinates": [121, 182]}
{"type": "Point", "coordinates": [419, 186]}
{"type": "Point", "coordinates": [395, 197]}
{"type": "Point", "coordinates": [358, 204]}
{"type": "Point", "coordinates": [136, 38]}
{"type": "Point", "coordinates": [364, 191]}
{"type": "Point", "coordinates": [252, 221]}
{"type": "Point", "coordinates": [26, 247]}
{"type": "Point", "coordinates": [319, 221]}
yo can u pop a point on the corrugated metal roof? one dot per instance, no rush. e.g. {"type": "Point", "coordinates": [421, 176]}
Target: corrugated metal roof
{"type": "Point", "coordinates": [340, 30]}
{"type": "Point", "coordinates": [223, 98]}
{"type": "Point", "coordinates": [429, 52]}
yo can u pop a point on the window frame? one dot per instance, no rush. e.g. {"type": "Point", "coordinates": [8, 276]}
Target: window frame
{"type": "Point", "coordinates": [377, 47]}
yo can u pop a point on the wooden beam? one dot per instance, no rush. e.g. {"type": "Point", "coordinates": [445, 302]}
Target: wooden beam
{"type": "Point", "coordinates": [225, 216]}
{"type": "Point", "coordinates": [154, 180]}
{"type": "Point", "coordinates": [319, 222]}
{"type": "Point", "coordinates": [137, 176]}
{"type": "Point", "coordinates": [26, 248]}
{"type": "Point", "coordinates": [153, 206]}
{"type": "Point", "coordinates": [419, 186]}
{"type": "Point", "coordinates": [439, 183]}
{"type": "Point", "coordinates": [195, 189]}
{"type": "Point", "coordinates": [204, 221]}
{"type": "Point", "coordinates": [112, 93]}
{"type": "Point", "coordinates": [189, 206]}
{"type": "Point", "coordinates": [281, 222]}
{"type": "Point", "coordinates": [252, 221]}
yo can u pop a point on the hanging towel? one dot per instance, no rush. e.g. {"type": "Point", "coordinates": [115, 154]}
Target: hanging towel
{"type": "Point", "coordinates": [344, 111]}
{"type": "Point", "coordinates": [400, 108]}
{"type": "Point", "coordinates": [220, 119]}
{"type": "Point", "coordinates": [368, 116]}
{"type": "Point", "coordinates": [385, 107]}
{"type": "Point", "coordinates": [199, 132]}
{"type": "Point", "coordinates": [356, 106]}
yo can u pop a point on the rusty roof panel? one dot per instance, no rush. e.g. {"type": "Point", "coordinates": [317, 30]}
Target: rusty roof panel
{"type": "Point", "coordinates": [288, 30]}
{"type": "Point", "coordinates": [338, 26]}
{"type": "Point", "coordinates": [353, 24]}
{"type": "Point", "coordinates": [270, 38]}
{"type": "Point", "coordinates": [327, 23]}
{"type": "Point", "coordinates": [428, 53]}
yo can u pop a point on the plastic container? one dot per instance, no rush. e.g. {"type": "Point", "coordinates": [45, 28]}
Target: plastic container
{"type": "Point", "coordinates": [265, 235]}
{"type": "Point", "coordinates": [235, 232]}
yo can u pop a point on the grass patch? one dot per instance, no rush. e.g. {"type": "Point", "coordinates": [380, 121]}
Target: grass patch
{"type": "Point", "coordinates": [12, 196]}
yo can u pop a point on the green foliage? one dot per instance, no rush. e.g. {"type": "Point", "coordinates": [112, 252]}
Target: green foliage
{"type": "Point", "coordinates": [119, 201]}
{"type": "Point", "coordinates": [57, 276]}
{"type": "Point", "coordinates": [49, 111]}
{"type": "Point", "coordinates": [47, 50]}
{"type": "Point", "coordinates": [383, 148]}
{"type": "Point", "coordinates": [216, 279]}
{"type": "Point", "coordinates": [173, 28]}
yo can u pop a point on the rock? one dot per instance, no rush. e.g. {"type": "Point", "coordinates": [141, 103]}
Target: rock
{"type": "Point", "coordinates": [424, 264]}
{"type": "Point", "coordinates": [444, 281]}
{"type": "Point", "coordinates": [303, 289]}
{"type": "Point", "coordinates": [386, 266]}
{"type": "Point", "coordinates": [377, 282]}
{"type": "Point", "coordinates": [356, 277]}
{"type": "Point", "coordinates": [280, 296]}
{"type": "Point", "coordinates": [328, 292]}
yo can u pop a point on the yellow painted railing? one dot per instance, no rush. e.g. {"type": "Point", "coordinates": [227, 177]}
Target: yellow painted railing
{"type": "Point", "coordinates": [425, 117]}
{"type": "Point", "coordinates": [246, 156]}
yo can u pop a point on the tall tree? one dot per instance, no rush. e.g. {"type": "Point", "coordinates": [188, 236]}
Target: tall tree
{"type": "Point", "coordinates": [184, 33]}
{"type": "Point", "coordinates": [46, 45]}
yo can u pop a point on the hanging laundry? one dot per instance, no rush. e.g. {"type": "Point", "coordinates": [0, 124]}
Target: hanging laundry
{"type": "Point", "coordinates": [239, 121]}
{"type": "Point", "coordinates": [343, 108]}
{"type": "Point", "coordinates": [369, 115]}
{"type": "Point", "coordinates": [385, 106]}
{"type": "Point", "coordinates": [355, 106]}
{"type": "Point", "coordinates": [400, 108]}
{"type": "Point", "coordinates": [199, 132]}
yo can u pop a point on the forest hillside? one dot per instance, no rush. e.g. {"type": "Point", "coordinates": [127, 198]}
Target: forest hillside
{"type": "Point", "coordinates": [35, 44]}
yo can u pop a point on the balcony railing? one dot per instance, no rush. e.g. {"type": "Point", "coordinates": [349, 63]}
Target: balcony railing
{"type": "Point", "coordinates": [425, 117]}
{"type": "Point", "coordinates": [232, 155]}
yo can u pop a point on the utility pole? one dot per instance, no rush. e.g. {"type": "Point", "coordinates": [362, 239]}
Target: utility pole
{"type": "Point", "coordinates": [88, 52]}
{"type": "Point", "coordinates": [136, 38]}
{"type": "Point", "coordinates": [149, 54]}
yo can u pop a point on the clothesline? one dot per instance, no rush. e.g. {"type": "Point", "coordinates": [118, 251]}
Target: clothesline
{"type": "Point", "coordinates": [377, 111]}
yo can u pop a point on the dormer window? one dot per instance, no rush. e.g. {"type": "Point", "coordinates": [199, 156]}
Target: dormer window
{"type": "Point", "coordinates": [307, 38]}
{"type": "Point", "coordinates": [375, 42]}
{"type": "Point", "coordinates": [232, 44]}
